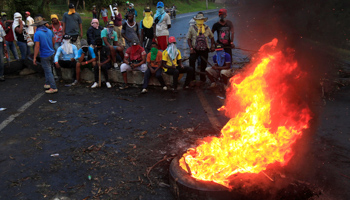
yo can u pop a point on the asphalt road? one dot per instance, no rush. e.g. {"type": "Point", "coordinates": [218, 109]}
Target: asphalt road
{"type": "Point", "coordinates": [114, 136]}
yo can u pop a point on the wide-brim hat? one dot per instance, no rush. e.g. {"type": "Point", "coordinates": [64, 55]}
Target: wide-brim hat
{"type": "Point", "coordinates": [200, 16]}
{"type": "Point", "coordinates": [39, 21]}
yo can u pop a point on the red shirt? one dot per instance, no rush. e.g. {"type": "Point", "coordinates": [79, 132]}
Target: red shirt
{"type": "Point", "coordinates": [9, 34]}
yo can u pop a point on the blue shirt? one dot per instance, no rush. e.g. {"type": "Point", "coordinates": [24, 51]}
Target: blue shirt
{"type": "Point", "coordinates": [66, 56]}
{"type": "Point", "coordinates": [90, 54]}
{"type": "Point", "coordinates": [44, 36]}
{"type": "Point", "coordinates": [227, 59]}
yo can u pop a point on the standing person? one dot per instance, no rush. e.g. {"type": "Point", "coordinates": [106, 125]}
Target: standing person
{"type": "Point", "coordinates": [225, 32]}
{"type": "Point", "coordinates": [110, 40]}
{"type": "Point", "coordinates": [94, 12]}
{"type": "Point", "coordinates": [93, 32]}
{"type": "Point", "coordinates": [66, 56]}
{"type": "Point", "coordinates": [132, 10]}
{"type": "Point", "coordinates": [134, 59]}
{"type": "Point", "coordinates": [197, 39]}
{"type": "Point", "coordinates": [172, 64]}
{"type": "Point", "coordinates": [147, 32]}
{"type": "Point", "coordinates": [86, 58]}
{"type": "Point", "coordinates": [154, 66]}
{"type": "Point", "coordinates": [72, 24]}
{"type": "Point", "coordinates": [162, 24]}
{"type": "Point", "coordinates": [9, 38]}
{"type": "Point", "coordinates": [29, 22]}
{"type": "Point", "coordinates": [44, 40]}
{"type": "Point", "coordinates": [57, 29]}
{"type": "Point", "coordinates": [130, 30]}
{"type": "Point", "coordinates": [19, 35]}
{"type": "Point", "coordinates": [118, 24]}
{"type": "Point", "coordinates": [104, 63]}
{"type": "Point", "coordinates": [2, 42]}
{"type": "Point", "coordinates": [104, 14]}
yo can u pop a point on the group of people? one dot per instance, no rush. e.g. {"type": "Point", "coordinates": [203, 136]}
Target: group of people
{"type": "Point", "coordinates": [145, 46]}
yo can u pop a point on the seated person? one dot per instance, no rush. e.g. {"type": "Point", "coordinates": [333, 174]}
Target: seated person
{"type": "Point", "coordinates": [222, 67]}
{"type": "Point", "coordinates": [172, 64]}
{"type": "Point", "coordinates": [110, 40]}
{"type": "Point", "coordinates": [93, 32]}
{"type": "Point", "coordinates": [154, 64]}
{"type": "Point", "coordinates": [134, 59]}
{"type": "Point", "coordinates": [69, 53]}
{"type": "Point", "coordinates": [86, 57]}
{"type": "Point", "coordinates": [103, 61]}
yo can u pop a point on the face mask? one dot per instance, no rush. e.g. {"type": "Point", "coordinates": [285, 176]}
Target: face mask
{"type": "Point", "coordinates": [200, 22]}
{"type": "Point", "coordinates": [160, 9]}
{"type": "Point", "coordinates": [4, 18]}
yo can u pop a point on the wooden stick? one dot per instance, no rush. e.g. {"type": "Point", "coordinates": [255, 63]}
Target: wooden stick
{"type": "Point", "coordinates": [150, 168]}
{"type": "Point", "coordinates": [205, 60]}
{"type": "Point", "coordinates": [268, 176]}
{"type": "Point", "coordinates": [99, 69]}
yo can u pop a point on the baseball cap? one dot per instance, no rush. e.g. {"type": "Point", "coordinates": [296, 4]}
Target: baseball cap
{"type": "Point", "coordinates": [110, 23]}
{"type": "Point", "coordinates": [71, 5]}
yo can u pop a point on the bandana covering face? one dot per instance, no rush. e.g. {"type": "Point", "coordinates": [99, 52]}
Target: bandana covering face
{"type": "Point", "coordinates": [220, 57]}
{"type": "Point", "coordinates": [148, 20]}
{"type": "Point", "coordinates": [134, 49]}
{"type": "Point", "coordinates": [154, 52]}
{"type": "Point", "coordinates": [110, 32]}
{"type": "Point", "coordinates": [95, 23]}
{"type": "Point", "coordinates": [16, 23]}
{"type": "Point", "coordinates": [116, 12]}
{"type": "Point", "coordinates": [159, 14]}
{"type": "Point", "coordinates": [71, 11]}
{"type": "Point", "coordinates": [200, 25]}
{"type": "Point", "coordinates": [172, 51]}
{"type": "Point", "coordinates": [67, 47]}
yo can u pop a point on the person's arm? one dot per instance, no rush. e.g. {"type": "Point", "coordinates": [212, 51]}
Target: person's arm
{"type": "Point", "coordinates": [123, 33]}
{"type": "Point", "coordinates": [106, 41]}
{"type": "Point", "coordinates": [36, 51]}
{"type": "Point", "coordinates": [118, 17]}
{"type": "Point", "coordinates": [81, 30]}
{"type": "Point", "coordinates": [19, 29]}
{"type": "Point", "coordinates": [92, 54]}
{"type": "Point", "coordinates": [75, 52]}
{"type": "Point", "coordinates": [159, 66]}
{"type": "Point", "coordinates": [64, 24]}
{"type": "Point", "coordinates": [189, 40]}
{"type": "Point", "coordinates": [142, 62]}
{"type": "Point", "coordinates": [141, 38]}
{"type": "Point", "coordinates": [232, 36]}
{"type": "Point", "coordinates": [168, 21]}
{"type": "Point", "coordinates": [137, 30]}
{"type": "Point", "coordinates": [57, 55]}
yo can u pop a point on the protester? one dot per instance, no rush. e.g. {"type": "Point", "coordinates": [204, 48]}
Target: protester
{"type": "Point", "coordinates": [110, 40]}
{"type": "Point", "coordinates": [72, 24]}
{"type": "Point", "coordinates": [132, 10]}
{"type": "Point", "coordinates": [197, 38]}
{"type": "Point", "coordinates": [225, 32]}
{"type": "Point", "coordinates": [117, 19]}
{"type": "Point", "coordinates": [94, 12]}
{"type": "Point", "coordinates": [162, 23]}
{"type": "Point", "coordinates": [172, 64]}
{"type": "Point", "coordinates": [2, 40]}
{"type": "Point", "coordinates": [222, 67]}
{"type": "Point", "coordinates": [44, 40]}
{"type": "Point", "coordinates": [93, 32]}
{"type": "Point", "coordinates": [147, 32]}
{"type": "Point", "coordinates": [69, 53]}
{"type": "Point", "coordinates": [104, 14]}
{"type": "Point", "coordinates": [86, 58]}
{"type": "Point", "coordinates": [29, 22]}
{"type": "Point", "coordinates": [130, 30]}
{"type": "Point", "coordinates": [57, 29]}
{"type": "Point", "coordinates": [154, 64]}
{"type": "Point", "coordinates": [134, 59]}
{"type": "Point", "coordinates": [103, 62]}
{"type": "Point", "coordinates": [9, 38]}
{"type": "Point", "coordinates": [20, 35]}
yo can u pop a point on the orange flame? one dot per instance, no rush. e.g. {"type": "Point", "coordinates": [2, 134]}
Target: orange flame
{"type": "Point", "coordinates": [267, 117]}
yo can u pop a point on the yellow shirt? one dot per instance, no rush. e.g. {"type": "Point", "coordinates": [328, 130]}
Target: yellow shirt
{"type": "Point", "coordinates": [168, 61]}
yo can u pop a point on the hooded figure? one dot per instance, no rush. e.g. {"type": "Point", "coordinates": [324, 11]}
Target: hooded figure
{"type": "Point", "coordinates": [16, 17]}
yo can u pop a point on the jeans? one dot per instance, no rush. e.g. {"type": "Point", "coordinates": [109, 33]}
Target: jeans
{"type": "Point", "coordinates": [193, 59]}
{"type": "Point", "coordinates": [1, 59]}
{"type": "Point", "coordinates": [176, 71]}
{"type": "Point", "coordinates": [24, 49]}
{"type": "Point", "coordinates": [57, 44]}
{"type": "Point", "coordinates": [47, 64]}
{"type": "Point", "coordinates": [104, 71]}
{"type": "Point", "coordinates": [148, 75]}
{"type": "Point", "coordinates": [11, 47]}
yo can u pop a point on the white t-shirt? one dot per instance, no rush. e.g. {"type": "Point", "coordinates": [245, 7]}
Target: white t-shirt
{"type": "Point", "coordinates": [162, 27]}
{"type": "Point", "coordinates": [29, 22]}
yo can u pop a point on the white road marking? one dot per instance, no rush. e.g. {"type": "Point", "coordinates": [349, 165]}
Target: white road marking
{"type": "Point", "coordinates": [20, 111]}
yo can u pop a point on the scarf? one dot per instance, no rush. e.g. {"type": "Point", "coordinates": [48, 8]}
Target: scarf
{"type": "Point", "coordinates": [71, 11]}
{"type": "Point", "coordinates": [95, 23]}
{"type": "Point", "coordinates": [42, 28]}
{"type": "Point", "coordinates": [220, 57]}
{"type": "Point", "coordinates": [172, 51]}
{"type": "Point", "coordinates": [54, 16]}
{"type": "Point", "coordinates": [110, 32]}
{"type": "Point", "coordinates": [148, 20]}
{"type": "Point", "coordinates": [67, 47]}
{"type": "Point", "coordinates": [200, 25]}
{"type": "Point", "coordinates": [134, 55]}
{"type": "Point", "coordinates": [159, 15]}
{"type": "Point", "coordinates": [154, 53]}
{"type": "Point", "coordinates": [16, 23]}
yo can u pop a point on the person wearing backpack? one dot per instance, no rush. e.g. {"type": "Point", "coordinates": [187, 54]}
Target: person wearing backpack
{"type": "Point", "coordinates": [197, 38]}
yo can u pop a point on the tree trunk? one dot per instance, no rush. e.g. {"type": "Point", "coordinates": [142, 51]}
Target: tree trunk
{"type": "Point", "coordinates": [84, 4]}
{"type": "Point", "coordinates": [76, 6]}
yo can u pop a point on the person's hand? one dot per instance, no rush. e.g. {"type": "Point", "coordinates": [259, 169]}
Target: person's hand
{"type": "Point", "coordinates": [57, 65]}
{"type": "Point", "coordinates": [233, 46]}
{"type": "Point", "coordinates": [34, 61]}
{"type": "Point", "coordinates": [192, 51]}
{"type": "Point", "coordinates": [99, 64]}
{"type": "Point", "coordinates": [20, 21]}
{"type": "Point", "coordinates": [152, 70]}
{"type": "Point", "coordinates": [212, 49]}
{"type": "Point", "coordinates": [132, 65]}
{"type": "Point", "coordinates": [83, 63]}
{"type": "Point", "coordinates": [72, 59]}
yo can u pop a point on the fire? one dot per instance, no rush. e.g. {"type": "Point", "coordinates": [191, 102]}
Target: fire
{"type": "Point", "coordinates": [267, 117]}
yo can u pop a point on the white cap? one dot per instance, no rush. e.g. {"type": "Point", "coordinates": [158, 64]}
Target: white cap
{"type": "Point", "coordinates": [115, 8]}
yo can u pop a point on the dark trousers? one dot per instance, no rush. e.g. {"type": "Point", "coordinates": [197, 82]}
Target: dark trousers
{"type": "Point", "coordinates": [148, 75]}
{"type": "Point", "coordinates": [69, 64]}
{"type": "Point", "coordinates": [193, 59]}
{"type": "Point", "coordinates": [176, 71]}
{"type": "Point", "coordinates": [104, 71]}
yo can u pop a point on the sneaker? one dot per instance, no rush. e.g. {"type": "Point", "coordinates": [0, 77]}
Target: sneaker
{"type": "Point", "coordinates": [47, 86]}
{"type": "Point", "coordinates": [115, 65]}
{"type": "Point", "coordinates": [165, 88]}
{"type": "Point", "coordinates": [212, 85]}
{"type": "Point", "coordinates": [144, 91]}
{"type": "Point", "coordinates": [94, 85]}
{"type": "Point", "coordinates": [124, 86]}
{"type": "Point", "coordinates": [75, 82]}
{"type": "Point", "coordinates": [50, 91]}
{"type": "Point", "coordinates": [108, 85]}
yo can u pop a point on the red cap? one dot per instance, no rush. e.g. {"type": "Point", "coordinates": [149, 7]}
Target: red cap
{"type": "Point", "coordinates": [222, 11]}
{"type": "Point", "coordinates": [28, 13]}
{"type": "Point", "coordinates": [172, 39]}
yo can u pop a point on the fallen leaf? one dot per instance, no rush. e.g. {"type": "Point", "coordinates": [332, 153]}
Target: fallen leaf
{"type": "Point", "coordinates": [62, 121]}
